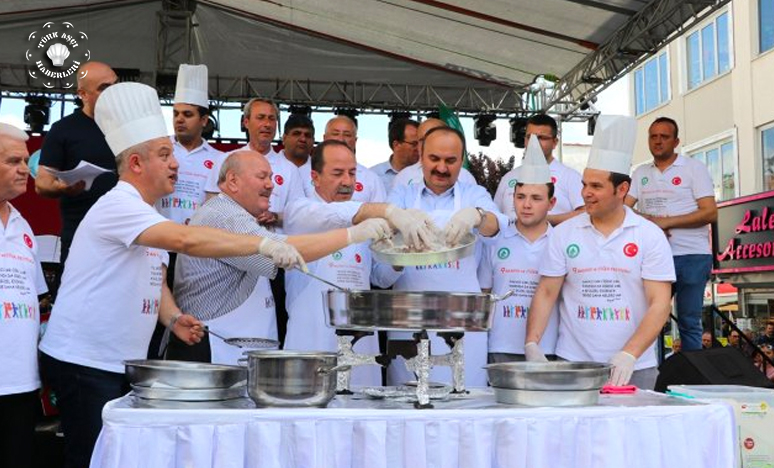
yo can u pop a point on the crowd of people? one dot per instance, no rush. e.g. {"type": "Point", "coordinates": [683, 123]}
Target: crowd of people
{"type": "Point", "coordinates": [182, 237]}
{"type": "Point", "coordinates": [758, 347]}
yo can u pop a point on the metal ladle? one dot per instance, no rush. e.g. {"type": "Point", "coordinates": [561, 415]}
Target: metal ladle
{"type": "Point", "coordinates": [323, 280]}
{"type": "Point", "coordinates": [250, 343]}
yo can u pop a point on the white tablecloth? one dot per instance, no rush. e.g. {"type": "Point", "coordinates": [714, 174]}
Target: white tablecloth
{"type": "Point", "coordinates": [645, 430]}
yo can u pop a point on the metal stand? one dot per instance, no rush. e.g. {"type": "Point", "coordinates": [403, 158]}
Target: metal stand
{"type": "Point", "coordinates": [346, 340]}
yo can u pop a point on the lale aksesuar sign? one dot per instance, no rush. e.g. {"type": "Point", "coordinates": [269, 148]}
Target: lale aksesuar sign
{"type": "Point", "coordinates": [743, 239]}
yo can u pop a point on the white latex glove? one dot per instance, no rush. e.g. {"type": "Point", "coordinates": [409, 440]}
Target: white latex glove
{"type": "Point", "coordinates": [282, 254]}
{"type": "Point", "coordinates": [370, 229]}
{"type": "Point", "coordinates": [533, 353]}
{"type": "Point", "coordinates": [623, 367]}
{"type": "Point", "coordinates": [416, 226]}
{"type": "Point", "coordinates": [460, 224]}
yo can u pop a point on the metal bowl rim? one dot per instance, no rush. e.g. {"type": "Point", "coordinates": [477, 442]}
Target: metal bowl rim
{"type": "Point", "coordinates": [274, 353]}
{"type": "Point", "coordinates": [187, 366]}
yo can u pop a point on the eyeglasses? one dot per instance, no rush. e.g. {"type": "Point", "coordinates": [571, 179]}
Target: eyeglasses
{"type": "Point", "coordinates": [413, 144]}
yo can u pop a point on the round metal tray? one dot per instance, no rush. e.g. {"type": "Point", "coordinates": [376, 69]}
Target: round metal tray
{"type": "Point", "coordinates": [558, 375]}
{"type": "Point", "coordinates": [186, 394]}
{"type": "Point", "coordinates": [385, 251]}
{"type": "Point", "coordinates": [183, 374]}
{"type": "Point", "coordinates": [401, 310]}
{"type": "Point", "coordinates": [510, 396]}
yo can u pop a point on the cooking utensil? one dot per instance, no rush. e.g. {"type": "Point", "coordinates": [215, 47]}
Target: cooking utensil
{"type": "Point", "coordinates": [322, 280]}
{"type": "Point", "coordinates": [181, 374]}
{"type": "Point", "coordinates": [555, 376]}
{"type": "Point", "coordinates": [242, 342]}
{"type": "Point", "coordinates": [292, 378]}
{"type": "Point", "coordinates": [402, 310]}
{"type": "Point", "coordinates": [196, 394]}
{"type": "Point", "coordinates": [389, 251]}
{"type": "Point", "coordinates": [511, 396]}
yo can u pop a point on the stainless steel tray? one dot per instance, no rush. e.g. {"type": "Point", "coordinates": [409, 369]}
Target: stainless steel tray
{"type": "Point", "coordinates": [401, 310]}
{"type": "Point", "coordinates": [183, 374]}
{"type": "Point", "coordinates": [510, 396]}
{"type": "Point", "coordinates": [385, 251]}
{"type": "Point", "coordinates": [559, 375]}
{"type": "Point", "coordinates": [186, 394]}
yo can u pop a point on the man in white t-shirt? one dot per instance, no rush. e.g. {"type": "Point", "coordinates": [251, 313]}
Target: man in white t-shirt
{"type": "Point", "coordinates": [404, 143]}
{"type": "Point", "coordinates": [21, 282]}
{"type": "Point", "coordinates": [567, 181]}
{"type": "Point", "coordinates": [113, 289]}
{"type": "Point", "coordinates": [297, 143]}
{"type": "Point", "coordinates": [612, 267]}
{"type": "Point", "coordinates": [676, 193]}
{"type": "Point", "coordinates": [511, 261]}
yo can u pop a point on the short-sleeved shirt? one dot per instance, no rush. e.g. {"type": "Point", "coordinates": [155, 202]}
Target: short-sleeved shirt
{"type": "Point", "coordinates": [208, 288]}
{"type": "Point", "coordinates": [109, 299]}
{"type": "Point", "coordinates": [603, 299]}
{"type": "Point", "coordinates": [510, 262]}
{"type": "Point", "coordinates": [386, 172]}
{"type": "Point", "coordinates": [189, 194]}
{"type": "Point", "coordinates": [21, 281]}
{"type": "Point", "coordinates": [567, 189]}
{"type": "Point", "coordinates": [368, 187]}
{"type": "Point", "coordinates": [413, 175]}
{"type": "Point", "coordinates": [675, 192]}
{"type": "Point", "coordinates": [71, 140]}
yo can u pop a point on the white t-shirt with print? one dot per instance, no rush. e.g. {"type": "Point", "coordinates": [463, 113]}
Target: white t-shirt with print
{"type": "Point", "coordinates": [108, 303]}
{"type": "Point", "coordinates": [675, 192]}
{"type": "Point", "coordinates": [603, 299]}
{"type": "Point", "coordinates": [21, 281]}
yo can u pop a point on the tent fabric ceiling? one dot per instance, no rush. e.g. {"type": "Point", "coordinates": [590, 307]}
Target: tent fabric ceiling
{"type": "Point", "coordinates": [468, 53]}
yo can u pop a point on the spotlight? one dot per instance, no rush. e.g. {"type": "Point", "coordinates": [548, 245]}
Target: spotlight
{"type": "Point", "coordinates": [306, 111]}
{"type": "Point", "coordinates": [433, 115]}
{"type": "Point", "coordinates": [484, 129]}
{"type": "Point", "coordinates": [399, 115]}
{"type": "Point", "coordinates": [347, 111]}
{"type": "Point", "coordinates": [212, 126]}
{"type": "Point", "coordinates": [591, 125]}
{"type": "Point", "coordinates": [518, 131]}
{"type": "Point", "coordinates": [36, 113]}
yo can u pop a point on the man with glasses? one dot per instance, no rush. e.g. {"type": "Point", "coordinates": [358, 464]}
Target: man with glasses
{"type": "Point", "coordinates": [71, 140]}
{"type": "Point", "coordinates": [567, 181]}
{"type": "Point", "coordinates": [405, 152]}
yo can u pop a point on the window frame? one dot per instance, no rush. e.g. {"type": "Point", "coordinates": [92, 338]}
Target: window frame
{"type": "Point", "coordinates": [759, 157]}
{"type": "Point", "coordinates": [716, 142]}
{"type": "Point", "coordinates": [685, 66]}
{"type": "Point", "coordinates": [641, 68]}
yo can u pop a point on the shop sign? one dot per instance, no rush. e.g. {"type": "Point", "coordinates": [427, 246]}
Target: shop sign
{"type": "Point", "coordinates": [743, 238]}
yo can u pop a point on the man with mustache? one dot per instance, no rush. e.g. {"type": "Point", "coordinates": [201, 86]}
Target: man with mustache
{"type": "Point", "coordinates": [223, 292]}
{"type": "Point", "coordinates": [298, 141]}
{"type": "Point", "coordinates": [458, 209]}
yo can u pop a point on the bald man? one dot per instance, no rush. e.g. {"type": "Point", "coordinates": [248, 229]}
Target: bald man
{"type": "Point", "coordinates": [71, 140]}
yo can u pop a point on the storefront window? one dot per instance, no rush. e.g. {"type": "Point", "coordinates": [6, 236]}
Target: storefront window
{"type": "Point", "coordinates": [758, 307]}
{"type": "Point", "coordinates": [767, 150]}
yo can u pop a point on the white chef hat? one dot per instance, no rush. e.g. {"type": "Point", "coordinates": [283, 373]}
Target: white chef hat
{"type": "Point", "coordinates": [13, 131]}
{"type": "Point", "coordinates": [613, 145]}
{"type": "Point", "coordinates": [534, 168]}
{"type": "Point", "coordinates": [192, 85]}
{"type": "Point", "coordinates": [129, 114]}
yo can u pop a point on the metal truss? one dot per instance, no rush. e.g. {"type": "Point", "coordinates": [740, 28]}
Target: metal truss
{"type": "Point", "coordinates": [645, 33]}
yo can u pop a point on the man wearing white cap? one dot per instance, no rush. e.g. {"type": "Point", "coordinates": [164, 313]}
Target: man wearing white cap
{"type": "Point", "coordinates": [21, 283]}
{"type": "Point", "coordinates": [612, 267]}
{"type": "Point", "coordinates": [113, 290]}
{"type": "Point", "coordinates": [511, 261]}
{"type": "Point", "coordinates": [567, 182]}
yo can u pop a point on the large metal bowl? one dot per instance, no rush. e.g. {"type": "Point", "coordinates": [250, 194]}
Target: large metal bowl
{"type": "Point", "coordinates": [181, 374]}
{"type": "Point", "coordinates": [555, 376]}
{"type": "Point", "coordinates": [402, 310]}
{"type": "Point", "coordinates": [291, 378]}
{"type": "Point", "coordinates": [385, 251]}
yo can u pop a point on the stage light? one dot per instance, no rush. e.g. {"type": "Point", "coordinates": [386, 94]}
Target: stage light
{"type": "Point", "coordinates": [518, 131]}
{"type": "Point", "coordinates": [484, 129]}
{"type": "Point", "coordinates": [37, 112]}
{"type": "Point", "coordinates": [350, 112]}
{"type": "Point", "coordinates": [306, 111]}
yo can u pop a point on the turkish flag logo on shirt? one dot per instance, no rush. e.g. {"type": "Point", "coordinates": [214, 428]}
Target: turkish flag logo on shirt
{"type": "Point", "coordinates": [553, 179]}
{"type": "Point", "coordinates": [208, 164]}
{"type": "Point", "coordinates": [358, 187]}
{"type": "Point", "coordinates": [358, 258]}
{"type": "Point", "coordinates": [279, 180]}
{"type": "Point", "coordinates": [28, 241]}
{"type": "Point", "coordinates": [630, 249]}
{"type": "Point", "coordinates": [677, 181]}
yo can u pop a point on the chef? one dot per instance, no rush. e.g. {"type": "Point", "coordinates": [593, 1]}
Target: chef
{"type": "Point", "coordinates": [612, 267]}
{"type": "Point", "coordinates": [21, 282]}
{"type": "Point", "coordinates": [567, 181]}
{"type": "Point", "coordinates": [113, 290]}
{"type": "Point", "coordinates": [219, 291]}
{"type": "Point", "coordinates": [512, 259]}
{"type": "Point", "coordinates": [456, 208]}
{"type": "Point", "coordinates": [334, 172]}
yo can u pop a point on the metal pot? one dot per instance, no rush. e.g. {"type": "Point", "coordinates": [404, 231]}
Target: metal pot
{"type": "Point", "coordinates": [402, 310]}
{"type": "Point", "coordinates": [292, 378]}
{"type": "Point", "coordinates": [554, 376]}
{"type": "Point", "coordinates": [181, 374]}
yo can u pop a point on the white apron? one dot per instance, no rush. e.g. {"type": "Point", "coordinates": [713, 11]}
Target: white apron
{"type": "Point", "coordinates": [307, 315]}
{"type": "Point", "coordinates": [255, 318]}
{"type": "Point", "coordinates": [460, 276]}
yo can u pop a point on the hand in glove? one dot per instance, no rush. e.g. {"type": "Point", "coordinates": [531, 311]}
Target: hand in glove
{"type": "Point", "coordinates": [370, 229]}
{"type": "Point", "coordinates": [460, 224]}
{"type": "Point", "coordinates": [416, 226]}
{"type": "Point", "coordinates": [533, 353]}
{"type": "Point", "coordinates": [623, 367]}
{"type": "Point", "coordinates": [282, 254]}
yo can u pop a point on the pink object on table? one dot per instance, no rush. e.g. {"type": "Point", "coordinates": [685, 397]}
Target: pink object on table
{"type": "Point", "coordinates": [622, 390]}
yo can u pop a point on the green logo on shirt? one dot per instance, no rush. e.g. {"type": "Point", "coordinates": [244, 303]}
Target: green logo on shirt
{"type": "Point", "coordinates": [503, 253]}
{"type": "Point", "coordinates": [512, 183]}
{"type": "Point", "coordinates": [337, 255]}
{"type": "Point", "coordinates": [644, 181]}
{"type": "Point", "coordinates": [573, 250]}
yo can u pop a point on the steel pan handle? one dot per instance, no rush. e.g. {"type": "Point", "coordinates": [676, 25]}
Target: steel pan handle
{"type": "Point", "coordinates": [510, 293]}
{"type": "Point", "coordinates": [343, 367]}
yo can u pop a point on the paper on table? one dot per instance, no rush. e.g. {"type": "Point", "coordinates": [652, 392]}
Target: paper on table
{"type": "Point", "coordinates": [84, 171]}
